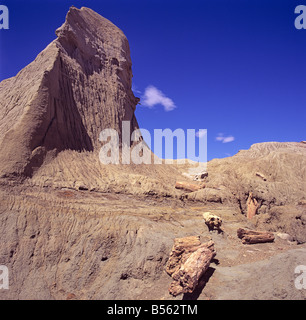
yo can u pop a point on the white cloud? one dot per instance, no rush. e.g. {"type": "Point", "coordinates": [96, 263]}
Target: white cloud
{"type": "Point", "coordinates": [153, 96]}
{"type": "Point", "coordinates": [228, 139]}
{"type": "Point", "coordinates": [219, 138]}
{"type": "Point", "coordinates": [223, 139]}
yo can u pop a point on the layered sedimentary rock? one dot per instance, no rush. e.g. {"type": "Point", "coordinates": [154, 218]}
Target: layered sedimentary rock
{"type": "Point", "coordinates": [79, 85]}
{"type": "Point", "coordinates": [277, 193]}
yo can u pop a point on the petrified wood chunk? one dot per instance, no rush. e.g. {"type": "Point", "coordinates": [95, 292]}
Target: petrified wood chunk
{"type": "Point", "coordinates": [212, 221]}
{"type": "Point", "coordinates": [252, 236]}
{"type": "Point", "coordinates": [189, 187]}
{"type": "Point", "coordinates": [181, 250]}
{"type": "Point", "coordinates": [189, 260]}
{"type": "Point", "coordinates": [252, 206]}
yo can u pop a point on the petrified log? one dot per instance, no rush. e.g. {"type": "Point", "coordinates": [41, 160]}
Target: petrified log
{"type": "Point", "coordinates": [193, 269]}
{"type": "Point", "coordinates": [252, 236]}
{"type": "Point", "coordinates": [181, 250]}
{"type": "Point", "coordinates": [252, 206]}
{"type": "Point", "coordinates": [260, 175]}
{"type": "Point", "coordinates": [189, 260]}
{"type": "Point", "coordinates": [189, 187]}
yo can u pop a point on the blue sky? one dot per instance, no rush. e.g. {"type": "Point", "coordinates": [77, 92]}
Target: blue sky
{"type": "Point", "coordinates": [234, 67]}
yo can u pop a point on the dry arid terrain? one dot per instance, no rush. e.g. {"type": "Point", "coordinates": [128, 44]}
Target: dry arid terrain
{"type": "Point", "coordinates": [73, 228]}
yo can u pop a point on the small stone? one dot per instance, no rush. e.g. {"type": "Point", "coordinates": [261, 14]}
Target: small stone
{"type": "Point", "coordinates": [284, 236]}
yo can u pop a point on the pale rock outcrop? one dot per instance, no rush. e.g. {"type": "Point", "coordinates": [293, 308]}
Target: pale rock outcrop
{"type": "Point", "coordinates": [200, 176]}
{"type": "Point", "coordinates": [79, 85]}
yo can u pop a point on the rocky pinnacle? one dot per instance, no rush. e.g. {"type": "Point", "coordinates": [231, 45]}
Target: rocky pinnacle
{"type": "Point", "coordinates": [77, 86]}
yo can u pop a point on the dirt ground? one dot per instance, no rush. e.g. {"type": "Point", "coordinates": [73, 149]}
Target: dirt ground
{"type": "Point", "coordinates": [122, 243]}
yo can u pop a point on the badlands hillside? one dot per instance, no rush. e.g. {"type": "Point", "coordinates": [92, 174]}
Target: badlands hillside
{"type": "Point", "coordinates": [73, 228]}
